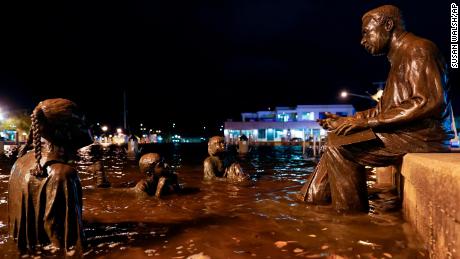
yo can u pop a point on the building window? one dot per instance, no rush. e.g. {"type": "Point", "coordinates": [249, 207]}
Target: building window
{"type": "Point", "coordinates": [270, 135]}
{"type": "Point", "coordinates": [280, 133]}
{"type": "Point", "coordinates": [261, 134]}
{"type": "Point", "coordinates": [322, 115]}
{"type": "Point", "coordinates": [268, 118]}
{"type": "Point", "coordinates": [285, 117]}
{"type": "Point", "coordinates": [307, 116]}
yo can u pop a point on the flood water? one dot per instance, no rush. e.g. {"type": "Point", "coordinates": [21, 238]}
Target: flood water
{"type": "Point", "coordinates": [222, 220]}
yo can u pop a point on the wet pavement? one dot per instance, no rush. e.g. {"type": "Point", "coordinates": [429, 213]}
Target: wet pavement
{"type": "Point", "coordinates": [221, 220]}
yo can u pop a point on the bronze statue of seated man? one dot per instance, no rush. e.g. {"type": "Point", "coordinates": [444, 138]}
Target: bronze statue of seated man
{"type": "Point", "coordinates": [220, 164]}
{"type": "Point", "coordinates": [413, 115]}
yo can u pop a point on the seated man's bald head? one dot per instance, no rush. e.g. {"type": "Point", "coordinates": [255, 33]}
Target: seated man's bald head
{"type": "Point", "coordinates": [383, 13]}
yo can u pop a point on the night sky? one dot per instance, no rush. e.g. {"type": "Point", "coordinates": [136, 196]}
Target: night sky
{"type": "Point", "coordinates": [197, 62]}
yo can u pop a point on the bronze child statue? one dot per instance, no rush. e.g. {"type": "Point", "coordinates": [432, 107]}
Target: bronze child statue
{"type": "Point", "coordinates": [220, 165]}
{"type": "Point", "coordinates": [413, 114]}
{"type": "Point", "coordinates": [160, 179]}
{"type": "Point", "coordinates": [44, 192]}
{"type": "Point", "coordinates": [97, 168]}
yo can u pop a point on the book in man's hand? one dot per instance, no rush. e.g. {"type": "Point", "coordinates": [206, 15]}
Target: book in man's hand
{"type": "Point", "coordinates": [342, 140]}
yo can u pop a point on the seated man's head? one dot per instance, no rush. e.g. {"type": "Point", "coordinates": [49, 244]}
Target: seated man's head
{"type": "Point", "coordinates": [151, 164]}
{"type": "Point", "coordinates": [378, 26]}
{"type": "Point", "coordinates": [216, 145]}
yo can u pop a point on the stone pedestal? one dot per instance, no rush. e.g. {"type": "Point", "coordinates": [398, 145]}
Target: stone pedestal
{"type": "Point", "coordinates": [431, 200]}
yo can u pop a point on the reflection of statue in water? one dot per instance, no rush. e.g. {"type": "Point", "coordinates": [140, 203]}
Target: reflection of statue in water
{"type": "Point", "coordinates": [160, 179]}
{"type": "Point", "coordinates": [45, 195]}
{"type": "Point", "coordinates": [220, 164]}
{"type": "Point", "coordinates": [412, 115]}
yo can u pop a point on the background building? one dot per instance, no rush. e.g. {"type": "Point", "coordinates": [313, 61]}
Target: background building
{"type": "Point", "coordinates": [284, 124]}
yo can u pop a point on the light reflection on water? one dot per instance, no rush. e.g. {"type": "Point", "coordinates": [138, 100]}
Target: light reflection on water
{"type": "Point", "coordinates": [225, 220]}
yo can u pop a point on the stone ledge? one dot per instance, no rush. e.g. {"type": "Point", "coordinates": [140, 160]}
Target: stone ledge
{"type": "Point", "coordinates": [431, 200]}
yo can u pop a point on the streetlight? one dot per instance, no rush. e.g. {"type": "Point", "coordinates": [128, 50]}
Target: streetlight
{"type": "Point", "coordinates": [345, 94]}
{"type": "Point", "coordinates": [119, 131]}
{"type": "Point", "coordinates": [104, 128]}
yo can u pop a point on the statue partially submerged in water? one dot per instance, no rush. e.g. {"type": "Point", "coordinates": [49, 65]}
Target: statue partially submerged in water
{"type": "Point", "coordinates": [97, 168]}
{"type": "Point", "coordinates": [44, 192]}
{"type": "Point", "coordinates": [160, 179]}
{"type": "Point", "coordinates": [220, 164]}
{"type": "Point", "coordinates": [413, 114]}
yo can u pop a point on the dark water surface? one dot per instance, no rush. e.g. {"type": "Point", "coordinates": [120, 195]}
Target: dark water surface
{"type": "Point", "coordinates": [258, 220]}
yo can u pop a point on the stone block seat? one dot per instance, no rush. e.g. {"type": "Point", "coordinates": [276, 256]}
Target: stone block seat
{"type": "Point", "coordinates": [430, 186]}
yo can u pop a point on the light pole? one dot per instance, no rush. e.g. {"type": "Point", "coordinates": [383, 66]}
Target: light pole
{"type": "Point", "coordinates": [345, 94]}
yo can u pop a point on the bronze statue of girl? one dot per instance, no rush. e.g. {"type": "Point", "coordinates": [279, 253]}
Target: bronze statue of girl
{"type": "Point", "coordinates": [45, 195]}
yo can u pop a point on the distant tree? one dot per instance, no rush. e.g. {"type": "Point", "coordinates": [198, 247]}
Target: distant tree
{"type": "Point", "coordinates": [19, 122]}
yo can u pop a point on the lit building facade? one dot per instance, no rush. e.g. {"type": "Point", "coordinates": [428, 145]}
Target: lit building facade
{"type": "Point", "coordinates": [284, 124]}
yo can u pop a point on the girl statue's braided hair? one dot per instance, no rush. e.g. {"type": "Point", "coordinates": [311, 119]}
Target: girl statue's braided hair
{"type": "Point", "coordinates": [36, 140]}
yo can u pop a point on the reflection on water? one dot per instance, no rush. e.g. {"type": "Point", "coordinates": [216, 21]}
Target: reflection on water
{"type": "Point", "coordinates": [261, 219]}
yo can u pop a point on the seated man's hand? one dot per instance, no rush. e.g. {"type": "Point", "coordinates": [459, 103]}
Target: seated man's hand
{"type": "Point", "coordinates": [331, 121]}
{"type": "Point", "coordinates": [350, 124]}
